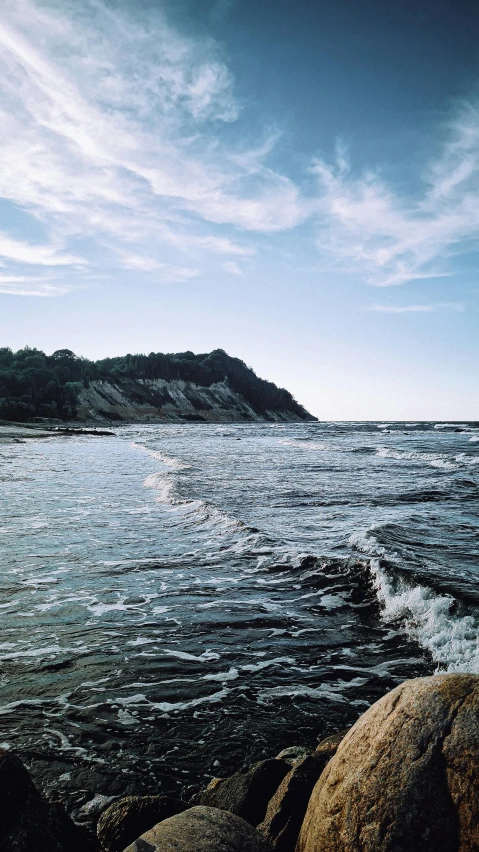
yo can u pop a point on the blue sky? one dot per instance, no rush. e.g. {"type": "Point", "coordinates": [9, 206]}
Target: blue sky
{"type": "Point", "coordinates": [294, 182]}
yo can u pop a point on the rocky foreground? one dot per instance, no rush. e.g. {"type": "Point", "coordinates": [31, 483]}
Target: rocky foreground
{"type": "Point", "coordinates": [404, 778]}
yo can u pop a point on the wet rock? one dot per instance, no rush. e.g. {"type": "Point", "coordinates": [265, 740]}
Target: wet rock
{"type": "Point", "coordinates": [406, 776]}
{"type": "Point", "coordinates": [286, 809]}
{"type": "Point", "coordinates": [27, 822]}
{"type": "Point", "coordinates": [247, 792]}
{"type": "Point", "coordinates": [201, 829]}
{"type": "Point", "coordinates": [92, 808]}
{"type": "Point", "coordinates": [127, 818]}
{"type": "Point", "coordinates": [293, 753]}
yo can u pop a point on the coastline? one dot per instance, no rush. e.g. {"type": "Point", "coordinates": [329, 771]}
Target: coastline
{"type": "Point", "coordinates": [18, 433]}
{"type": "Point", "coordinates": [374, 787]}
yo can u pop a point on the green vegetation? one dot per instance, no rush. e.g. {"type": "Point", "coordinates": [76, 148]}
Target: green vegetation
{"type": "Point", "coordinates": [33, 384]}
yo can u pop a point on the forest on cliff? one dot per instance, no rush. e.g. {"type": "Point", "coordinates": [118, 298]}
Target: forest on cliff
{"type": "Point", "coordinates": [33, 384]}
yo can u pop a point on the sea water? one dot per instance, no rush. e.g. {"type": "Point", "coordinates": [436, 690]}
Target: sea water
{"type": "Point", "coordinates": [178, 600]}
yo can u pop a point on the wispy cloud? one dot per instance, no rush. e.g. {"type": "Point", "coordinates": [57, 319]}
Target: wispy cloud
{"type": "Point", "coordinates": [111, 130]}
{"type": "Point", "coordinates": [31, 253]}
{"type": "Point", "coordinates": [391, 237]}
{"type": "Point", "coordinates": [115, 145]}
{"type": "Point", "coordinates": [426, 309]}
{"type": "Point", "coordinates": [25, 285]}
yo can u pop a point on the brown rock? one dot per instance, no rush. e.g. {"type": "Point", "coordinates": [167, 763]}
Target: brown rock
{"type": "Point", "coordinates": [406, 776]}
{"type": "Point", "coordinates": [329, 746]}
{"type": "Point", "coordinates": [27, 822]}
{"type": "Point", "coordinates": [201, 829]}
{"type": "Point", "coordinates": [287, 808]}
{"type": "Point", "coordinates": [127, 818]}
{"type": "Point", "coordinates": [247, 792]}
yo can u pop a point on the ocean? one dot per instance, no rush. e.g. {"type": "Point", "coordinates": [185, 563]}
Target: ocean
{"type": "Point", "coordinates": [178, 600]}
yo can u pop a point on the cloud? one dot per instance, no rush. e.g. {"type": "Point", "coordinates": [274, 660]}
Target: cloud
{"type": "Point", "coordinates": [34, 254]}
{"type": "Point", "coordinates": [232, 268]}
{"type": "Point", "coordinates": [427, 309]}
{"type": "Point", "coordinates": [23, 285]}
{"type": "Point", "coordinates": [111, 130]}
{"type": "Point", "coordinates": [390, 237]}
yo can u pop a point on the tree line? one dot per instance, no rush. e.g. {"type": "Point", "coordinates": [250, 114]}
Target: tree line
{"type": "Point", "coordinates": [33, 384]}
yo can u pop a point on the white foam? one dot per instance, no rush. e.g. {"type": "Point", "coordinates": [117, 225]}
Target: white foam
{"type": "Point", "coordinates": [231, 674]}
{"type": "Point", "coordinates": [199, 510]}
{"type": "Point", "coordinates": [365, 542]}
{"type": "Point", "coordinates": [64, 743]}
{"type": "Point", "coordinates": [142, 702]}
{"type": "Point", "coordinates": [204, 657]}
{"type": "Point", "coordinates": [169, 461]}
{"type": "Point", "coordinates": [330, 691]}
{"type": "Point", "coordinates": [331, 601]}
{"type": "Point", "coordinates": [163, 485]}
{"type": "Point", "coordinates": [453, 641]}
{"type": "Point", "coordinates": [305, 445]}
{"type": "Point", "coordinates": [432, 459]}
{"type": "Point", "coordinates": [257, 667]}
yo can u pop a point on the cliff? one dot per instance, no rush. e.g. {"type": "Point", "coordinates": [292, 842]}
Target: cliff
{"type": "Point", "coordinates": [171, 401]}
{"type": "Point", "coordinates": [211, 387]}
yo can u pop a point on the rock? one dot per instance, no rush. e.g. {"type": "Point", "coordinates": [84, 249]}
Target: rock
{"type": "Point", "coordinates": [293, 753]}
{"type": "Point", "coordinates": [406, 776]}
{"type": "Point", "coordinates": [287, 807]}
{"type": "Point", "coordinates": [127, 818]}
{"type": "Point", "coordinates": [329, 746]}
{"type": "Point", "coordinates": [247, 792]}
{"type": "Point", "coordinates": [27, 822]}
{"type": "Point", "coordinates": [201, 829]}
{"type": "Point", "coordinates": [71, 837]}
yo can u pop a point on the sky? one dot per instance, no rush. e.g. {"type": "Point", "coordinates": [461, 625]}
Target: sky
{"type": "Point", "coordinates": [293, 181]}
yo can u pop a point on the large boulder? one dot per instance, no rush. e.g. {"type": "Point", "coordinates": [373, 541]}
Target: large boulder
{"type": "Point", "coordinates": [201, 829]}
{"type": "Point", "coordinates": [287, 807]}
{"type": "Point", "coordinates": [127, 818]}
{"type": "Point", "coordinates": [247, 792]}
{"type": "Point", "coordinates": [28, 823]}
{"type": "Point", "coordinates": [406, 776]}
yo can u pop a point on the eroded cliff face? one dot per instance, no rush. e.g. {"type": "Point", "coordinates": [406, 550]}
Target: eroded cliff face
{"type": "Point", "coordinates": [175, 401]}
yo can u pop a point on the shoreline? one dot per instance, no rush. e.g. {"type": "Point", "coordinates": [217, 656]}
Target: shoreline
{"type": "Point", "coordinates": [298, 800]}
{"type": "Point", "coordinates": [19, 433]}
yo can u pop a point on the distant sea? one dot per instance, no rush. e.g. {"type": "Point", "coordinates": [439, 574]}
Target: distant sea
{"type": "Point", "coordinates": [178, 600]}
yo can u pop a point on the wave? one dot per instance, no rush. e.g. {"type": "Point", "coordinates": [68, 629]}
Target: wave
{"type": "Point", "coordinates": [439, 622]}
{"type": "Point", "coordinates": [440, 460]}
{"type": "Point", "coordinates": [196, 510]}
{"type": "Point", "coordinates": [169, 461]}
{"type": "Point", "coordinates": [452, 640]}
{"type": "Point", "coordinates": [305, 443]}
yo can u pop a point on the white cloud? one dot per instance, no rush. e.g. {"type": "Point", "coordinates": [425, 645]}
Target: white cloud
{"type": "Point", "coordinates": [391, 238]}
{"type": "Point", "coordinates": [427, 309]}
{"type": "Point", "coordinates": [24, 285]}
{"type": "Point", "coordinates": [110, 132]}
{"type": "Point", "coordinates": [34, 254]}
{"type": "Point", "coordinates": [232, 267]}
